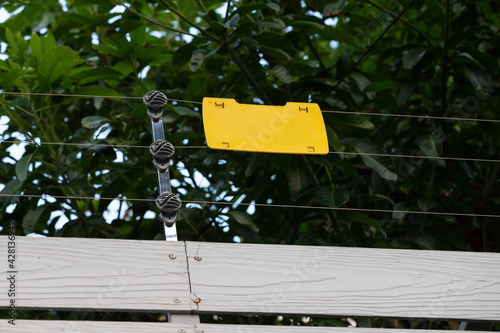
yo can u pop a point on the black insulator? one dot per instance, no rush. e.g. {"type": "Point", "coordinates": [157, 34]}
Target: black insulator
{"type": "Point", "coordinates": [155, 101]}
{"type": "Point", "coordinates": [162, 152]}
{"type": "Point", "coordinates": [169, 204]}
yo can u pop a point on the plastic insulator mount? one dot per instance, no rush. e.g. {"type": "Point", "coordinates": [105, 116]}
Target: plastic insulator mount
{"type": "Point", "coordinates": [155, 101]}
{"type": "Point", "coordinates": [169, 204]}
{"type": "Point", "coordinates": [162, 152]}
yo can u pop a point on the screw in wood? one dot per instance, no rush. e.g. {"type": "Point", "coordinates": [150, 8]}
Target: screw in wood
{"type": "Point", "coordinates": [197, 258]}
{"type": "Point", "coordinates": [177, 300]}
{"type": "Point", "coordinates": [172, 256]}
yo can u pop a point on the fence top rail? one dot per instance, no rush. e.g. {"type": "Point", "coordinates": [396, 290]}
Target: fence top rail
{"type": "Point", "coordinates": [195, 277]}
{"type": "Point", "coordinates": [62, 326]}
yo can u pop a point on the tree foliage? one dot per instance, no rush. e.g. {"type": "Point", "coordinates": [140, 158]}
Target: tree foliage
{"type": "Point", "coordinates": [440, 59]}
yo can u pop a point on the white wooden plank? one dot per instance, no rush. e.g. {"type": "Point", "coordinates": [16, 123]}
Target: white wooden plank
{"type": "Point", "coordinates": [53, 326]}
{"type": "Point", "coordinates": [76, 273]}
{"type": "Point", "coordinates": [62, 326]}
{"type": "Point", "coordinates": [251, 278]}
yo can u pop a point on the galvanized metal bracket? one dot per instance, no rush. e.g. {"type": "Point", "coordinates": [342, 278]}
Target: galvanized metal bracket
{"type": "Point", "coordinates": [162, 151]}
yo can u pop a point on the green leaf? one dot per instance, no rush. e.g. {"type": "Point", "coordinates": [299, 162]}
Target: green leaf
{"type": "Point", "coordinates": [297, 180]}
{"type": "Point", "coordinates": [425, 204]}
{"type": "Point", "coordinates": [182, 55]}
{"type": "Point", "coordinates": [273, 6]}
{"type": "Point", "coordinates": [12, 187]}
{"type": "Point", "coordinates": [274, 24]}
{"type": "Point", "coordinates": [185, 111]}
{"type": "Point", "coordinates": [36, 46]}
{"type": "Point", "coordinates": [93, 121]}
{"type": "Point", "coordinates": [341, 195]}
{"type": "Point", "coordinates": [22, 167]}
{"type": "Point", "coordinates": [232, 21]}
{"type": "Point", "coordinates": [56, 63]}
{"type": "Point", "coordinates": [430, 145]}
{"type": "Point", "coordinates": [361, 81]}
{"type": "Point", "coordinates": [413, 56]}
{"type": "Point", "coordinates": [243, 218]}
{"type": "Point", "coordinates": [362, 218]}
{"type": "Point", "coordinates": [334, 140]}
{"type": "Point", "coordinates": [197, 59]}
{"type": "Point", "coordinates": [354, 121]}
{"type": "Point", "coordinates": [281, 73]}
{"type": "Point", "coordinates": [479, 78]}
{"type": "Point", "coordinates": [382, 165]}
{"type": "Point", "coordinates": [382, 85]}
{"type": "Point", "coordinates": [334, 8]}
{"type": "Point", "coordinates": [31, 218]}
{"type": "Point", "coordinates": [17, 46]}
{"type": "Point", "coordinates": [277, 54]}
{"type": "Point", "coordinates": [326, 195]}
{"type": "Point", "coordinates": [406, 92]}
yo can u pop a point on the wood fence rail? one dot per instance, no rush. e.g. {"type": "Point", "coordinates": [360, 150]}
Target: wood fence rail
{"type": "Point", "coordinates": [67, 326]}
{"type": "Point", "coordinates": [194, 277]}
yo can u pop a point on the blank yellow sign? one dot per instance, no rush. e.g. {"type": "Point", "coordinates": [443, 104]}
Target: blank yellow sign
{"type": "Point", "coordinates": [296, 128]}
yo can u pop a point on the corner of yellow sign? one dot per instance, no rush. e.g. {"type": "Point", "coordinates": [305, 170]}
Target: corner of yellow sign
{"type": "Point", "coordinates": [296, 128]}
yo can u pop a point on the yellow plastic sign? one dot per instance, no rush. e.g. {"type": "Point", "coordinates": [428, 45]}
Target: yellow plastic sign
{"type": "Point", "coordinates": [296, 128]}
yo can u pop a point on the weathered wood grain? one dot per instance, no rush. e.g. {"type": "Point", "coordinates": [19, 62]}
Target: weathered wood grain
{"type": "Point", "coordinates": [76, 273]}
{"type": "Point", "coordinates": [301, 280]}
{"type": "Point", "coordinates": [53, 326]}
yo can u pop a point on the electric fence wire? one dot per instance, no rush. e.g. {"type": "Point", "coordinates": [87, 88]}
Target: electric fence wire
{"type": "Point", "coordinates": [203, 202]}
{"type": "Point", "coordinates": [206, 147]}
{"type": "Point", "coordinates": [322, 111]}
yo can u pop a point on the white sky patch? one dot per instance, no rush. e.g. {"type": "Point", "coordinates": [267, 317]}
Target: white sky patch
{"type": "Point", "coordinates": [95, 39]}
{"type": "Point", "coordinates": [102, 132]}
{"type": "Point", "coordinates": [334, 44]}
{"type": "Point", "coordinates": [17, 151]}
{"type": "Point", "coordinates": [222, 9]}
{"type": "Point", "coordinates": [61, 222]}
{"type": "Point", "coordinates": [127, 37]}
{"type": "Point", "coordinates": [236, 239]}
{"type": "Point", "coordinates": [200, 180]}
{"type": "Point", "coordinates": [332, 21]}
{"type": "Point", "coordinates": [251, 208]}
{"type": "Point", "coordinates": [157, 34]}
{"type": "Point", "coordinates": [119, 157]}
{"type": "Point", "coordinates": [10, 208]}
{"type": "Point", "coordinates": [118, 9]}
{"type": "Point", "coordinates": [4, 120]}
{"type": "Point", "coordinates": [35, 235]}
{"type": "Point", "coordinates": [114, 19]}
{"type": "Point", "coordinates": [64, 5]}
{"type": "Point", "coordinates": [316, 14]}
{"type": "Point", "coordinates": [150, 215]}
{"type": "Point", "coordinates": [112, 212]}
{"type": "Point", "coordinates": [144, 73]}
{"type": "Point", "coordinates": [4, 14]}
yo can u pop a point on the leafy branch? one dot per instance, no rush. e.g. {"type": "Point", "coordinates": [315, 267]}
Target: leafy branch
{"type": "Point", "coordinates": [374, 4]}
{"type": "Point", "coordinates": [194, 25]}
